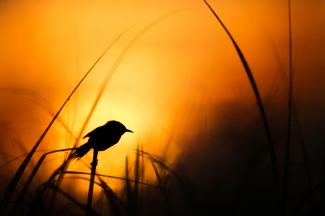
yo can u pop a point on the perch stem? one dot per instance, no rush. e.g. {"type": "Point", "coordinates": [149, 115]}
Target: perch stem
{"type": "Point", "coordinates": [91, 183]}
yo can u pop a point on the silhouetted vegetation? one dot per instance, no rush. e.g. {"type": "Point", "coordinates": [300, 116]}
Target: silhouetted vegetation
{"type": "Point", "coordinates": [264, 167]}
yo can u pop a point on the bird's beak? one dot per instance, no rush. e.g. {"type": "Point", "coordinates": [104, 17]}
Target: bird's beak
{"type": "Point", "coordinates": [127, 130]}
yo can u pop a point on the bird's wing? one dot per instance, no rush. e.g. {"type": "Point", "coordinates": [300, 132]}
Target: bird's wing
{"type": "Point", "coordinates": [93, 132]}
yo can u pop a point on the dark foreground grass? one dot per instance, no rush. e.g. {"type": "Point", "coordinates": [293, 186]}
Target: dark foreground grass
{"type": "Point", "coordinates": [14, 181]}
{"type": "Point", "coordinates": [130, 200]}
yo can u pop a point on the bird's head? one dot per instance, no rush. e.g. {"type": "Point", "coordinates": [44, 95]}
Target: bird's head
{"type": "Point", "coordinates": [118, 126]}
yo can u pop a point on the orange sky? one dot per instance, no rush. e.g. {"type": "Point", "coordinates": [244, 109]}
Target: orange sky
{"type": "Point", "coordinates": [183, 63]}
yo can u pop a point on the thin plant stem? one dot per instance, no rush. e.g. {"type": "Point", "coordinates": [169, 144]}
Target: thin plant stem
{"type": "Point", "coordinates": [14, 181]}
{"type": "Point", "coordinates": [110, 73]}
{"type": "Point", "coordinates": [91, 183]}
{"type": "Point", "coordinates": [71, 198]}
{"type": "Point", "coordinates": [289, 127]}
{"type": "Point", "coordinates": [31, 177]}
{"type": "Point", "coordinates": [164, 191]}
{"type": "Point", "coordinates": [295, 121]}
{"type": "Point", "coordinates": [66, 163]}
{"type": "Point", "coordinates": [114, 177]}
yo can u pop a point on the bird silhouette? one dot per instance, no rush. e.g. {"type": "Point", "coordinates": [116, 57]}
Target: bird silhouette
{"type": "Point", "coordinates": [102, 138]}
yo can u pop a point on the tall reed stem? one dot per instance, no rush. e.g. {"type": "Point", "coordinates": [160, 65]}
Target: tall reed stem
{"type": "Point", "coordinates": [91, 183]}
{"type": "Point", "coordinates": [289, 127]}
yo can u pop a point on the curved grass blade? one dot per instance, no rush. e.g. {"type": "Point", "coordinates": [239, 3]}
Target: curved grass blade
{"type": "Point", "coordinates": [71, 198]}
{"type": "Point", "coordinates": [37, 99]}
{"type": "Point", "coordinates": [16, 158]}
{"type": "Point", "coordinates": [14, 181]}
{"type": "Point", "coordinates": [115, 203]}
{"type": "Point", "coordinates": [188, 192]}
{"type": "Point", "coordinates": [112, 177]}
{"type": "Point", "coordinates": [258, 100]}
{"type": "Point", "coordinates": [110, 73]}
{"type": "Point", "coordinates": [162, 185]}
{"type": "Point", "coordinates": [289, 120]}
{"type": "Point", "coordinates": [31, 177]}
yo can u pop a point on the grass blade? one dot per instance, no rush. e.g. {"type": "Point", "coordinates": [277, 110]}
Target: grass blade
{"type": "Point", "coordinates": [31, 177]}
{"type": "Point", "coordinates": [66, 163]}
{"type": "Point", "coordinates": [38, 100]}
{"type": "Point", "coordinates": [91, 183]}
{"type": "Point", "coordinates": [110, 73]}
{"type": "Point", "coordinates": [188, 192]}
{"type": "Point", "coordinates": [289, 120]}
{"type": "Point", "coordinates": [163, 188]}
{"type": "Point", "coordinates": [115, 203]}
{"type": "Point", "coordinates": [14, 181]}
{"type": "Point", "coordinates": [258, 100]}
{"type": "Point", "coordinates": [71, 198]}
{"type": "Point", "coordinates": [137, 178]}
{"type": "Point", "coordinates": [113, 177]}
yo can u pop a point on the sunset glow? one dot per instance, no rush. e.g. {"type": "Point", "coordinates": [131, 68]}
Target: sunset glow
{"type": "Point", "coordinates": [171, 77]}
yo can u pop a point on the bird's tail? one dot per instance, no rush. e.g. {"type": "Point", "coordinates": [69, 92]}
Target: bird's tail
{"type": "Point", "coordinates": [81, 151]}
